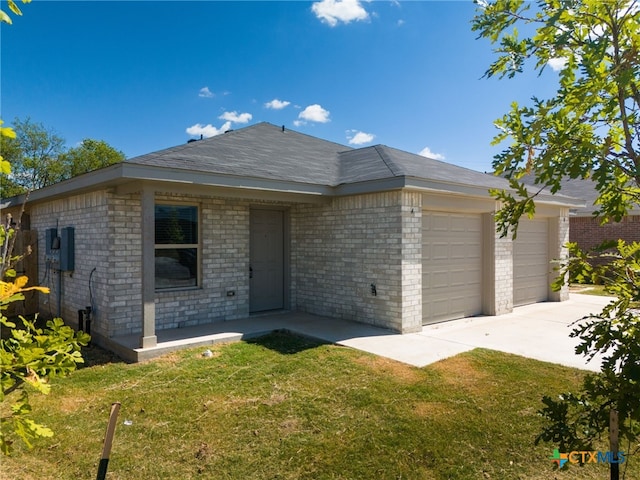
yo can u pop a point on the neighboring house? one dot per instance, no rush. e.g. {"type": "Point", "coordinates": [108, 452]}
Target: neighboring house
{"type": "Point", "coordinates": [586, 230]}
{"type": "Point", "coordinates": [266, 219]}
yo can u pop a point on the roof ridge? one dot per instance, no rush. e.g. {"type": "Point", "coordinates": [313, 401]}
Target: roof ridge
{"type": "Point", "coordinates": [389, 163]}
{"type": "Point", "coordinates": [297, 132]}
{"type": "Point", "coordinates": [189, 144]}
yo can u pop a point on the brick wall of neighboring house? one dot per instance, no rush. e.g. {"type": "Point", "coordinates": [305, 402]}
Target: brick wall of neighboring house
{"type": "Point", "coordinates": [587, 231]}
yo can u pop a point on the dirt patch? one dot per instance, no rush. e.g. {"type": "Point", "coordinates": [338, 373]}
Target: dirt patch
{"type": "Point", "coordinates": [290, 426]}
{"type": "Point", "coordinates": [72, 404]}
{"type": "Point", "coordinates": [94, 355]}
{"type": "Point", "coordinates": [432, 409]}
{"type": "Point", "coordinates": [171, 358]}
{"type": "Point", "coordinates": [461, 372]}
{"type": "Point", "coordinates": [398, 371]}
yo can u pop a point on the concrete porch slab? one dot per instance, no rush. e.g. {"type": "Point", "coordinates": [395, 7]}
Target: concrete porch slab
{"type": "Point", "coordinates": [538, 331]}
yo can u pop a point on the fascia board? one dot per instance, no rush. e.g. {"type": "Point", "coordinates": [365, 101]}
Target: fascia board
{"type": "Point", "coordinates": [99, 178]}
{"type": "Point", "coordinates": [369, 186]}
{"type": "Point", "coordinates": [123, 173]}
{"type": "Point", "coordinates": [478, 191]}
{"type": "Point", "coordinates": [126, 172]}
{"type": "Point", "coordinates": [135, 186]}
{"type": "Point", "coordinates": [170, 175]}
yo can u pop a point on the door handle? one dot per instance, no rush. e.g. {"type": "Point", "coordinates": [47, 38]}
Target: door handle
{"type": "Point", "coordinates": [250, 272]}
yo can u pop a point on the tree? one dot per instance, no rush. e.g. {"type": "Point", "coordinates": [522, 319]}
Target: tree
{"type": "Point", "coordinates": [88, 156]}
{"type": "Point", "coordinates": [589, 129]}
{"type": "Point", "coordinates": [34, 155]}
{"type": "Point", "coordinates": [31, 355]}
{"type": "Point", "coordinates": [39, 158]}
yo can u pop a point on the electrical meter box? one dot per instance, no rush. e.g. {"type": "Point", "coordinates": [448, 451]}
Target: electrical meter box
{"type": "Point", "coordinates": [52, 246]}
{"type": "Point", "coordinates": [67, 249]}
{"type": "Point", "coordinates": [60, 250]}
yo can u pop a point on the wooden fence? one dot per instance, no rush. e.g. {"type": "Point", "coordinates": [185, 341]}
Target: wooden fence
{"type": "Point", "coordinates": [27, 266]}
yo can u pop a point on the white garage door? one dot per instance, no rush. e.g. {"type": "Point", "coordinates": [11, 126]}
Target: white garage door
{"type": "Point", "coordinates": [530, 262]}
{"type": "Point", "coordinates": [451, 266]}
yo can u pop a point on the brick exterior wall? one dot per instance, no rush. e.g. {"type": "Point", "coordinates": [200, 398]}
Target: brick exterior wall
{"type": "Point", "coordinates": [560, 226]}
{"type": "Point", "coordinates": [588, 232]}
{"type": "Point", "coordinates": [503, 258]}
{"type": "Point", "coordinates": [340, 249]}
{"type": "Point", "coordinates": [107, 239]}
{"type": "Point", "coordinates": [224, 233]}
{"type": "Point", "coordinates": [337, 250]}
{"type": "Point", "coordinates": [89, 214]}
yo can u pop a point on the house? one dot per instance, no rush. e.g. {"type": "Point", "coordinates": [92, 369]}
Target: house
{"type": "Point", "coordinates": [585, 228]}
{"type": "Point", "coordinates": [267, 219]}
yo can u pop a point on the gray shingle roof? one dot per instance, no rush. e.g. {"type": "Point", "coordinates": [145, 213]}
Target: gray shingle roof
{"type": "Point", "coordinates": [269, 158]}
{"type": "Point", "coordinates": [585, 189]}
{"type": "Point", "coordinates": [261, 151]}
{"type": "Point", "coordinates": [266, 151]}
{"type": "Point", "coordinates": [413, 165]}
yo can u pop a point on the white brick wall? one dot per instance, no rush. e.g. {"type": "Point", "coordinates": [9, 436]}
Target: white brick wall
{"type": "Point", "coordinates": [503, 257]}
{"type": "Point", "coordinates": [89, 214]}
{"type": "Point", "coordinates": [224, 233]}
{"type": "Point", "coordinates": [340, 249]}
{"type": "Point", "coordinates": [559, 233]}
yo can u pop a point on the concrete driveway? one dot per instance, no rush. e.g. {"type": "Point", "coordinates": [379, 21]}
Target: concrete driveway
{"type": "Point", "coordinates": [539, 331]}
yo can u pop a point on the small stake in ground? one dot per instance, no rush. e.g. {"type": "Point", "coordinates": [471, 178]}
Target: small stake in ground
{"type": "Point", "coordinates": [108, 440]}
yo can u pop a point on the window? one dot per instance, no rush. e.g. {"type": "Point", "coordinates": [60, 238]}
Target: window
{"type": "Point", "coordinates": [177, 246]}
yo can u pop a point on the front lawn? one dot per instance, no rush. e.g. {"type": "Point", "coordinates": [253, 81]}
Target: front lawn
{"type": "Point", "coordinates": [589, 289]}
{"type": "Point", "coordinates": [284, 407]}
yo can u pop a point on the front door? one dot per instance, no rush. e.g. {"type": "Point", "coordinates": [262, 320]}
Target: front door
{"type": "Point", "coordinates": [266, 269]}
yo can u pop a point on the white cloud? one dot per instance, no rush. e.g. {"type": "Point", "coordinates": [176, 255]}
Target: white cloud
{"type": "Point", "coordinates": [210, 131]}
{"type": "Point", "coordinates": [276, 104]}
{"type": "Point", "coordinates": [207, 130]}
{"type": "Point", "coordinates": [235, 117]}
{"type": "Point", "coordinates": [334, 11]}
{"type": "Point", "coordinates": [359, 138]}
{"type": "Point", "coordinates": [557, 64]}
{"type": "Point", "coordinates": [426, 152]}
{"type": "Point", "coordinates": [313, 113]}
{"type": "Point", "coordinates": [205, 92]}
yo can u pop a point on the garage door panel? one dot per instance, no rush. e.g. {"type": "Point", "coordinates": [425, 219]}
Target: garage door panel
{"type": "Point", "coordinates": [452, 266]}
{"type": "Point", "coordinates": [459, 278]}
{"type": "Point", "coordinates": [440, 251]}
{"type": "Point", "coordinates": [530, 262]}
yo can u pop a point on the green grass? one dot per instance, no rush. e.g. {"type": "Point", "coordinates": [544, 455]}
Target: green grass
{"type": "Point", "coordinates": [589, 289]}
{"type": "Point", "coordinates": [283, 407]}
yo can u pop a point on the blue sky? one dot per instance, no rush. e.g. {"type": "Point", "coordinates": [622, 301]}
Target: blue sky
{"type": "Point", "coordinates": [148, 75]}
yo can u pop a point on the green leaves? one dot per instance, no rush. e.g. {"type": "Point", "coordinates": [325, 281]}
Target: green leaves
{"type": "Point", "coordinates": [590, 129]}
{"type": "Point", "coordinates": [14, 8]}
{"type": "Point", "coordinates": [30, 357]}
{"type": "Point", "coordinates": [614, 336]}
{"type": "Point", "coordinates": [39, 158]}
